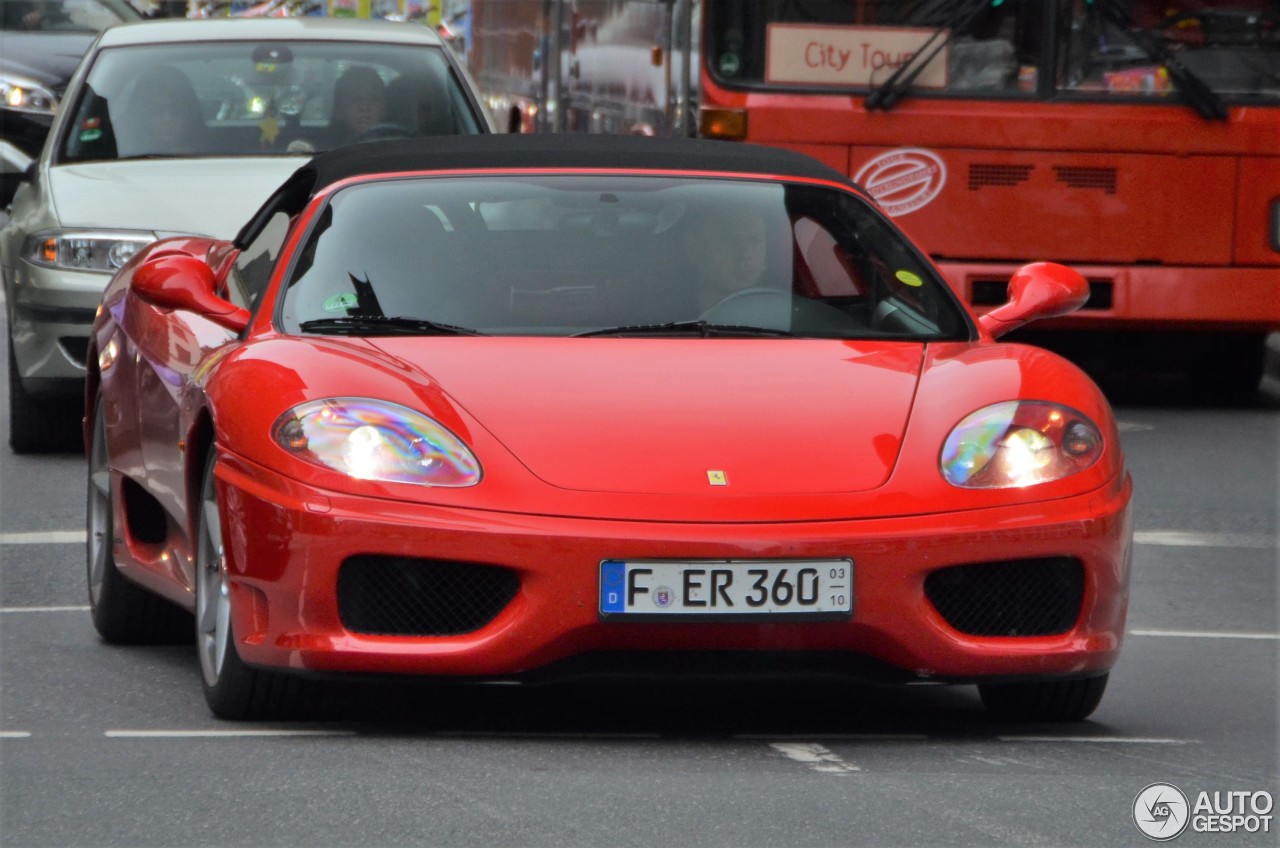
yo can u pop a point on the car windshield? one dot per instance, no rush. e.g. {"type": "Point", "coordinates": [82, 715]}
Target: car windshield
{"type": "Point", "coordinates": [249, 98]}
{"type": "Point", "coordinates": [577, 255]}
{"type": "Point", "coordinates": [1098, 50]}
{"type": "Point", "coordinates": [63, 15]}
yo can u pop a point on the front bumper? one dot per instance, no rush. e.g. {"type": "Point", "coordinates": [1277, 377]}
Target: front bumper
{"type": "Point", "coordinates": [51, 313]}
{"type": "Point", "coordinates": [287, 542]}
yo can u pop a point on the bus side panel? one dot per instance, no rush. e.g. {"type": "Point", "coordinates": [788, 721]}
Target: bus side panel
{"type": "Point", "coordinates": [1016, 205]}
{"type": "Point", "coordinates": [1257, 201]}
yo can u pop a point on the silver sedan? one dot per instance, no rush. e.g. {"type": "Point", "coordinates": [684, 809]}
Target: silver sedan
{"type": "Point", "coordinates": [185, 127]}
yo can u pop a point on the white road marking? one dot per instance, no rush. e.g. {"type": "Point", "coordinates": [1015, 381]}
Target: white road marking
{"type": "Point", "coordinates": [839, 737]}
{"type": "Point", "coordinates": [218, 734]}
{"type": "Point", "coordinates": [1205, 634]}
{"type": "Point", "coordinates": [1187, 539]}
{"type": "Point", "coordinates": [44, 609]}
{"type": "Point", "coordinates": [1113, 740]}
{"type": "Point", "coordinates": [51, 537]}
{"type": "Point", "coordinates": [815, 756]}
{"type": "Point", "coordinates": [15, 734]}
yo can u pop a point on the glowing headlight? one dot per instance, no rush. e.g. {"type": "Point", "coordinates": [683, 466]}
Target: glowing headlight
{"type": "Point", "coordinates": [376, 440]}
{"type": "Point", "coordinates": [1019, 443]}
{"type": "Point", "coordinates": [104, 252]}
{"type": "Point", "coordinates": [25, 95]}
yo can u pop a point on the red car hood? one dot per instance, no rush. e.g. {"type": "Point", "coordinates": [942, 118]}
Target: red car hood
{"type": "Point", "coordinates": [773, 416]}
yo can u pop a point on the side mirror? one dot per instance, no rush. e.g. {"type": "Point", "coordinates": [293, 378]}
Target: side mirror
{"type": "Point", "coordinates": [181, 281]}
{"type": "Point", "coordinates": [1036, 291]}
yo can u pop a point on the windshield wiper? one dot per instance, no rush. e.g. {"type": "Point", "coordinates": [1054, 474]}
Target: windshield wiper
{"type": "Point", "coordinates": [384, 325]}
{"type": "Point", "coordinates": [1199, 95]}
{"type": "Point", "coordinates": [702, 329]}
{"type": "Point", "coordinates": [892, 89]}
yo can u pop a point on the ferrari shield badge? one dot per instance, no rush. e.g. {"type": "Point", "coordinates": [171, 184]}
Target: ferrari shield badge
{"type": "Point", "coordinates": [717, 478]}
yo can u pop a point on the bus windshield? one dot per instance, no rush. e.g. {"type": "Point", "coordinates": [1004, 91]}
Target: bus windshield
{"type": "Point", "coordinates": [1122, 50]}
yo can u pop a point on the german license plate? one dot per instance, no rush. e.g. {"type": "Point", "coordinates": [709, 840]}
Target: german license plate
{"type": "Point", "coordinates": [721, 589]}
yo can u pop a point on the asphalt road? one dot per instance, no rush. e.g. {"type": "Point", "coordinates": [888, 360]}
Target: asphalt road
{"type": "Point", "coordinates": [106, 746]}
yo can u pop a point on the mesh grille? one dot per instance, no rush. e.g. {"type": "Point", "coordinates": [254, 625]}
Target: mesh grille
{"type": "Point", "coordinates": [997, 175]}
{"type": "Point", "coordinates": [402, 596]}
{"type": "Point", "coordinates": [1032, 597]}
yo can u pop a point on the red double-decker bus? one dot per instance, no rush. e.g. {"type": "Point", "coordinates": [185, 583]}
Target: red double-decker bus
{"type": "Point", "coordinates": [1138, 140]}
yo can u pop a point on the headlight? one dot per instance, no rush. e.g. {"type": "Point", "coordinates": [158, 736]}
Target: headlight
{"type": "Point", "coordinates": [376, 440]}
{"type": "Point", "coordinates": [1019, 443]}
{"type": "Point", "coordinates": [104, 252]}
{"type": "Point", "coordinates": [23, 95]}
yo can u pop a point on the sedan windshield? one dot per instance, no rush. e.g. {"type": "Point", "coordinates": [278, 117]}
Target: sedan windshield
{"type": "Point", "coordinates": [235, 98]}
{"type": "Point", "coordinates": [612, 256]}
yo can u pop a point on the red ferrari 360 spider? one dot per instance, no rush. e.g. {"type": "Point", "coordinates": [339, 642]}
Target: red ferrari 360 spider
{"type": "Point", "coordinates": [508, 408]}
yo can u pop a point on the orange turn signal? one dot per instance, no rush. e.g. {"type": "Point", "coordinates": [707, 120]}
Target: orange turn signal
{"type": "Point", "coordinates": [726, 124]}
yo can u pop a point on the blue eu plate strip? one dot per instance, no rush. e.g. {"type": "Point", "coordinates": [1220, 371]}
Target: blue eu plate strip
{"type": "Point", "coordinates": [613, 586]}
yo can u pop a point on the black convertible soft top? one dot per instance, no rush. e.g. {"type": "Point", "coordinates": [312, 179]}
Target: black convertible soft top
{"type": "Point", "coordinates": [546, 150]}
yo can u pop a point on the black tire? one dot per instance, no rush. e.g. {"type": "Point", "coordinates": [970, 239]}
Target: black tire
{"type": "Point", "coordinates": [232, 689]}
{"type": "Point", "coordinates": [1046, 700]}
{"type": "Point", "coordinates": [39, 425]}
{"type": "Point", "coordinates": [123, 612]}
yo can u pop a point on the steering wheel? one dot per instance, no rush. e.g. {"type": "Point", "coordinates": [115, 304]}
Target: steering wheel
{"type": "Point", "coordinates": [750, 306]}
{"type": "Point", "coordinates": [382, 132]}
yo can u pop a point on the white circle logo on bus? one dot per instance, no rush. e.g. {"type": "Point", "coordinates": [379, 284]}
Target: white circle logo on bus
{"type": "Point", "coordinates": [903, 180]}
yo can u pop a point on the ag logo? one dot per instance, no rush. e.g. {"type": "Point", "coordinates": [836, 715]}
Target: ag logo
{"type": "Point", "coordinates": [903, 180]}
{"type": "Point", "coordinates": [1161, 811]}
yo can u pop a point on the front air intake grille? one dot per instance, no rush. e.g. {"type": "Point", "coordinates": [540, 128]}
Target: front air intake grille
{"type": "Point", "coordinates": [404, 596]}
{"type": "Point", "coordinates": [1027, 597]}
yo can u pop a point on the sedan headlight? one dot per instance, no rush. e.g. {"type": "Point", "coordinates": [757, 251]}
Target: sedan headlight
{"type": "Point", "coordinates": [376, 440]}
{"type": "Point", "coordinates": [1019, 443]}
{"type": "Point", "coordinates": [24, 95]}
{"type": "Point", "coordinates": [73, 250]}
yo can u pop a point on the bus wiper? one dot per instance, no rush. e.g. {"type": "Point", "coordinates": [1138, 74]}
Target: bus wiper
{"type": "Point", "coordinates": [384, 325]}
{"type": "Point", "coordinates": [701, 329]}
{"type": "Point", "coordinates": [892, 89]}
{"type": "Point", "coordinates": [1199, 96]}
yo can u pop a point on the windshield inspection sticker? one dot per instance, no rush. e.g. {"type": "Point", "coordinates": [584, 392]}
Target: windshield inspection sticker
{"type": "Point", "coordinates": [339, 302]}
{"type": "Point", "coordinates": [909, 279]}
{"type": "Point", "coordinates": [903, 180]}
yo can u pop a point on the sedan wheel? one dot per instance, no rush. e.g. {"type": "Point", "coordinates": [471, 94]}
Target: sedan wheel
{"type": "Point", "coordinates": [39, 425]}
{"type": "Point", "coordinates": [122, 612]}
{"type": "Point", "coordinates": [232, 689]}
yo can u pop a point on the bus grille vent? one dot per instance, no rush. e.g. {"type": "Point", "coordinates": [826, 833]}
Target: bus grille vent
{"type": "Point", "coordinates": [998, 175]}
{"type": "Point", "coordinates": [1103, 179]}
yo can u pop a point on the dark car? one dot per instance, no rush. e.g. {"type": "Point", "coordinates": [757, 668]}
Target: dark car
{"type": "Point", "coordinates": [43, 42]}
